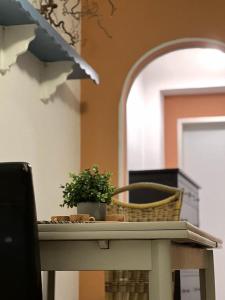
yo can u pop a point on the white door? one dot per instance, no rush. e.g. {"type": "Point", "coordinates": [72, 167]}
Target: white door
{"type": "Point", "coordinates": [203, 158]}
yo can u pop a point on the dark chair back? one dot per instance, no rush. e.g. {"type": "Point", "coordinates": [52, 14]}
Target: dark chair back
{"type": "Point", "coordinates": [20, 272]}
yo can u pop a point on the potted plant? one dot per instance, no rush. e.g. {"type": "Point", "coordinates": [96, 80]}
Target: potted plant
{"type": "Point", "coordinates": [90, 191]}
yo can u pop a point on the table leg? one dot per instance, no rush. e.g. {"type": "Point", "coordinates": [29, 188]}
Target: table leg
{"type": "Point", "coordinates": [160, 277]}
{"type": "Point", "coordinates": [207, 280]}
{"type": "Point", "coordinates": [49, 285]}
{"type": "Point", "coordinates": [176, 282]}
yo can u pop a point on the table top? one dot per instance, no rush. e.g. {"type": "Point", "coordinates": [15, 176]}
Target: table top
{"type": "Point", "coordinates": [177, 231]}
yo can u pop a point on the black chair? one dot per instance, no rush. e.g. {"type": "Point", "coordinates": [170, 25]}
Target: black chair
{"type": "Point", "coordinates": [20, 272]}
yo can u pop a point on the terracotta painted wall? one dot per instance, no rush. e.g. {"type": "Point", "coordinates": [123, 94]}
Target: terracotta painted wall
{"type": "Point", "coordinates": [136, 27]}
{"type": "Point", "coordinates": [187, 106]}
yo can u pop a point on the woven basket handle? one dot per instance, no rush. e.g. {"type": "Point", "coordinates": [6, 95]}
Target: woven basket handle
{"type": "Point", "coordinates": [177, 193]}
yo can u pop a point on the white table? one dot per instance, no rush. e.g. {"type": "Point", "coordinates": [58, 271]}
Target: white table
{"type": "Point", "coordinates": [158, 247]}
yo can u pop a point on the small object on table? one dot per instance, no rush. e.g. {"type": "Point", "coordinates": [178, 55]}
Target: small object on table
{"type": "Point", "coordinates": [60, 219]}
{"type": "Point", "coordinates": [115, 217]}
{"type": "Point", "coordinates": [81, 218]}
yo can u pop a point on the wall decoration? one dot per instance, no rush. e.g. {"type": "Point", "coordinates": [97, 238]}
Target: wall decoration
{"type": "Point", "coordinates": [66, 15]}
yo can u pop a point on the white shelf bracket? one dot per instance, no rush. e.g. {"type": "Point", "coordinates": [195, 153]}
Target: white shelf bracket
{"type": "Point", "coordinates": [53, 75]}
{"type": "Point", "coordinates": [14, 41]}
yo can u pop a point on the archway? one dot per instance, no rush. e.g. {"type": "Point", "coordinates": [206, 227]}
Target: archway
{"type": "Point", "coordinates": [139, 67]}
{"type": "Point", "coordinates": [146, 59]}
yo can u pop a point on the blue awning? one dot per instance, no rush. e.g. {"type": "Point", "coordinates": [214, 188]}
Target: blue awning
{"type": "Point", "coordinates": [48, 44]}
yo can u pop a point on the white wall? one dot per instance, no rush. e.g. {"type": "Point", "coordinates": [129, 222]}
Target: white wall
{"type": "Point", "coordinates": [47, 135]}
{"type": "Point", "coordinates": [183, 69]}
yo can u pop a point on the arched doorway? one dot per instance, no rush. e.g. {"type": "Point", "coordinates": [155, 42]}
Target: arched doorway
{"type": "Point", "coordinates": [150, 57]}
{"type": "Point", "coordinates": [145, 60]}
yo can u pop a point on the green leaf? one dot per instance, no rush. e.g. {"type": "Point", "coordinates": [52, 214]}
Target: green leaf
{"type": "Point", "coordinates": [88, 186]}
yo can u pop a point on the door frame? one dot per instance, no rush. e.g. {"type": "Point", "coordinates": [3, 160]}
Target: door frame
{"type": "Point", "coordinates": [180, 130]}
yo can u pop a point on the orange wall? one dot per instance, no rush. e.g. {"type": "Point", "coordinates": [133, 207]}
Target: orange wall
{"type": "Point", "coordinates": [136, 27]}
{"type": "Point", "coordinates": [187, 106]}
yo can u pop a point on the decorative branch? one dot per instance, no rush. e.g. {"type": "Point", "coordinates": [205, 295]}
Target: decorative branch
{"type": "Point", "coordinates": [104, 29]}
{"type": "Point", "coordinates": [113, 8]}
{"type": "Point", "coordinates": [89, 10]}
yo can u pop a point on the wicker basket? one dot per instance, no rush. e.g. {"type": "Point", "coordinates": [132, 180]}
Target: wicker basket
{"type": "Point", "coordinates": [132, 285]}
{"type": "Point", "coordinates": [167, 209]}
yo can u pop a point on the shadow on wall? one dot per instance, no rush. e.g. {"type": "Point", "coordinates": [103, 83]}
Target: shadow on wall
{"type": "Point", "coordinates": [65, 92]}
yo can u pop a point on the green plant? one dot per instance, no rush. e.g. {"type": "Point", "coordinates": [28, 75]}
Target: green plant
{"type": "Point", "coordinates": [88, 186]}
